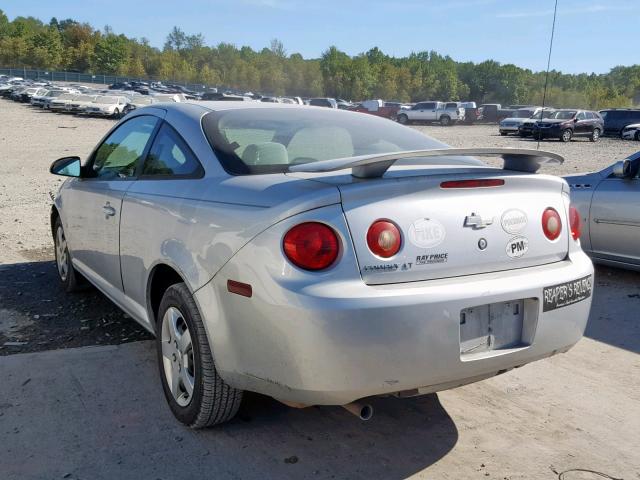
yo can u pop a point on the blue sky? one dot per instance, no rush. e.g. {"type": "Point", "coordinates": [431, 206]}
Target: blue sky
{"type": "Point", "coordinates": [591, 35]}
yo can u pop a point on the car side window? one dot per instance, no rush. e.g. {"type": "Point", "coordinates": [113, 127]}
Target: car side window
{"type": "Point", "coordinates": [170, 155]}
{"type": "Point", "coordinates": [119, 155]}
{"type": "Point", "coordinates": [590, 116]}
{"type": "Point", "coordinates": [580, 116]}
{"type": "Point", "coordinates": [429, 106]}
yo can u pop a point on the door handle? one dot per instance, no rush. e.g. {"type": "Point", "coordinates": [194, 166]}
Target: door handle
{"type": "Point", "coordinates": [108, 210]}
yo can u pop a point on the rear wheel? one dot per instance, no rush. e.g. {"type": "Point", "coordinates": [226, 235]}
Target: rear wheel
{"type": "Point", "coordinates": [445, 120]}
{"type": "Point", "coordinates": [503, 133]}
{"type": "Point", "coordinates": [116, 113]}
{"type": "Point", "coordinates": [637, 135]}
{"type": "Point", "coordinates": [196, 394]}
{"type": "Point", "coordinates": [403, 119]}
{"type": "Point", "coordinates": [595, 135]}
{"type": "Point", "coordinates": [566, 135]}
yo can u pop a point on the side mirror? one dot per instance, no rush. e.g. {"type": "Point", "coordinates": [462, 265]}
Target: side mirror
{"type": "Point", "coordinates": [575, 120]}
{"type": "Point", "coordinates": [622, 169]}
{"type": "Point", "coordinates": [66, 166]}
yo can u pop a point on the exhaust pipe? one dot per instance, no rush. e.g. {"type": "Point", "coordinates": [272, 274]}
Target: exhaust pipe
{"type": "Point", "coordinates": [362, 411]}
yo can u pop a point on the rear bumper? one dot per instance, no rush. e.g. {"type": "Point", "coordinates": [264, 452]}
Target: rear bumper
{"type": "Point", "coordinates": [334, 343]}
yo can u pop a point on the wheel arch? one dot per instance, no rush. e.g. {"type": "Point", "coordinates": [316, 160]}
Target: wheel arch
{"type": "Point", "coordinates": [161, 277]}
{"type": "Point", "coordinates": [55, 214]}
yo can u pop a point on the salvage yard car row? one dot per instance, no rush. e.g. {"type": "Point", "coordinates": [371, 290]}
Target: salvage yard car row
{"type": "Point", "coordinates": [80, 99]}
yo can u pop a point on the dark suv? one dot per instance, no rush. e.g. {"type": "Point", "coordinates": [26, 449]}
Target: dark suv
{"type": "Point", "coordinates": [568, 123]}
{"type": "Point", "coordinates": [615, 119]}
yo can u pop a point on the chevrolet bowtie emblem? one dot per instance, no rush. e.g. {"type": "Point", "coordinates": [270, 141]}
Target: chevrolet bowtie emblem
{"type": "Point", "coordinates": [476, 221]}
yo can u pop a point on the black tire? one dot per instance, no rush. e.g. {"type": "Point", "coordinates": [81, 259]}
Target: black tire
{"type": "Point", "coordinates": [403, 119]}
{"type": "Point", "coordinates": [565, 135]}
{"type": "Point", "coordinates": [445, 120]}
{"type": "Point", "coordinates": [637, 135]}
{"type": "Point", "coordinates": [116, 113]}
{"type": "Point", "coordinates": [504, 134]}
{"type": "Point", "coordinates": [71, 280]}
{"type": "Point", "coordinates": [536, 136]}
{"type": "Point", "coordinates": [595, 135]}
{"type": "Point", "coordinates": [213, 401]}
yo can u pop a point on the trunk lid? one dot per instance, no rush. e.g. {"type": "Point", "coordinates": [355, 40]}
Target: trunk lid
{"type": "Point", "coordinates": [448, 232]}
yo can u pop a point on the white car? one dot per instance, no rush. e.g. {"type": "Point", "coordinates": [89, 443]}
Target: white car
{"type": "Point", "coordinates": [79, 103]}
{"type": "Point", "coordinates": [60, 103]}
{"type": "Point", "coordinates": [107, 106]}
{"type": "Point", "coordinates": [631, 132]}
{"type": "Point", "coordinates": [45, 98]}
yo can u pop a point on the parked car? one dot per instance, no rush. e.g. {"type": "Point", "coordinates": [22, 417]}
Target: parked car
{"type": "Point", "coordinates": [323, 102]}
{"type": "Point", "coordinates": [566, 124]}
{"type": "Point", "coordinates": [609, 203]}
{"type": "Point", "coordinates": [40, 100]}
{"type": "Point", "coordinates": [528, 125]}
{"type": "Point", "coordinates": [378, 108]}
{"type": "Point", "coordinates": [80, 103]}
{"type": "Point", "coordinates": [431, 112]}
{"type": "Point", "coordinates": [616, 119]}
{"type": "Point", "coordinates": [471, 112]}
{"type": "Point", "coordinates": [107, 106]}
{"type": "Point", "coordinates": [59, 104]}
{"type": "Point", "coordinates": [512, 124]}
{"type": "Point", "coordinates": [235, 233]}
{"type": "Point", "coordinates": [631, 132]}
{"type": "Point", "coordinates": [138, 101]}
{"type": "Point", "coordinates": [27, 94]}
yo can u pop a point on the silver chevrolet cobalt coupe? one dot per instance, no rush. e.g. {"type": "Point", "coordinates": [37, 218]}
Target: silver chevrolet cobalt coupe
{"type": "Point", "coordinates": [320, 256]}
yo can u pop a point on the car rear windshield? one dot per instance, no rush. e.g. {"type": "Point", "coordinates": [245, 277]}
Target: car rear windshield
{"type": "Point", "coordinates": [269, 140]}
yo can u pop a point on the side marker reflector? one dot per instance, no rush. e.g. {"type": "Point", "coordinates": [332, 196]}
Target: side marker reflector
{"type": "Point", "coordinates": [239, 288]}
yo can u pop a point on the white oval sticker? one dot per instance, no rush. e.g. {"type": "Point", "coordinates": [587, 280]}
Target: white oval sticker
{"type": "Point", "coordinates": [513, 221]}
{"type": "Point", "coordinates": [517, 247]}
{"type": "Point", "coordinates": [426, 233]}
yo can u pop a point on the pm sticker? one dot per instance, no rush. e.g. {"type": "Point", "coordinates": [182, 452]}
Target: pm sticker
{"type": "Point", "coordinates": [513, 221]}
{"type": "Point", "coordinates": [426, 233]}
{"type": "Point", "coordinates": [517, 247]}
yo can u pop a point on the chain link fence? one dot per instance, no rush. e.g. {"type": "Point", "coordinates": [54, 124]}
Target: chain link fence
{"type": "Point", "coordinates": [77, 77]}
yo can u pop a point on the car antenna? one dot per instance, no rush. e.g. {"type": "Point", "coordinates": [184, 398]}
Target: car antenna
{"type": "Point", "coordinates": [546, 77]}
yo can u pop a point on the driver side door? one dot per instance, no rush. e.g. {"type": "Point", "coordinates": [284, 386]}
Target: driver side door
{"type": "Point", "coordinates": [93, 204]}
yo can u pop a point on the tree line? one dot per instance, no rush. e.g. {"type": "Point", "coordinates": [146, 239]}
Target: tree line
{"type": "Point", "coordinates": [74, 46]}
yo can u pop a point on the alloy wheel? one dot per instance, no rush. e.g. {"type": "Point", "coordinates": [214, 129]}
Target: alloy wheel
{"type": "Point", "coordinates": [62, 253]}
{"type": "Point", "coordinates": [178, 356]}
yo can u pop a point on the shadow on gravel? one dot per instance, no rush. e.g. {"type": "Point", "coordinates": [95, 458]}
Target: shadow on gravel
{"type": "Point", "coordinates": [36, 314]}
{"type": "Point", "coordinates": [615, 311]}
{"type": "Point", "coordinates": [404, 437]}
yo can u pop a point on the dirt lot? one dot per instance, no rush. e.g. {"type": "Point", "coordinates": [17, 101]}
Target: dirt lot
{"type": "Point", "coordinates": [578, 410]}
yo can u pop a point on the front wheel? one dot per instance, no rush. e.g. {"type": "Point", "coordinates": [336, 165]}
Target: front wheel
{"type": "Point", "coordinates": [595, 135]}
{"type": "Point", "coordinates": [445, 120]}
{"type": "Point", "coordinates": [197, 395]}
{"type": "Point", "coordinates": [403, 119]}
{"type": "Point", "coordinates": [566, 135]}
{"type": "Point", "coordinates": [637, 135]}
{"type": "Point", "coordinates": [116, 113]}
{"type": "Point", "coordinates": [71, 280]}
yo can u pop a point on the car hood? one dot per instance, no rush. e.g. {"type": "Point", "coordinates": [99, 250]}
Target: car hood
{"type": "Point", "coordinates": [633, 125]}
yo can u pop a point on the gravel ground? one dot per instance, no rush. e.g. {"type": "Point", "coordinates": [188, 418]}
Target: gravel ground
{"type": "Point", "coordinates": [33, 308]}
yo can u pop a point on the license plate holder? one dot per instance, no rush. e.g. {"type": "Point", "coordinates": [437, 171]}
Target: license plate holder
{"type": "Point", "coordinates": [490, 327]}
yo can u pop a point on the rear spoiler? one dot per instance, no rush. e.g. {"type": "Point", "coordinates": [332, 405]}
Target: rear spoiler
{"type": "Point", "coordinates": [375, 166]}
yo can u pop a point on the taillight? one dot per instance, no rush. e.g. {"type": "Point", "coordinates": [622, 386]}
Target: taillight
{"type": "Point", "coordinates": [311, 246]}
{"type": "Point", "coordinates": [575, 223]}
{"type": "Point", "coordinates": [551, 223]}
{"type": "Point", "coordinates": [384, 238]}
